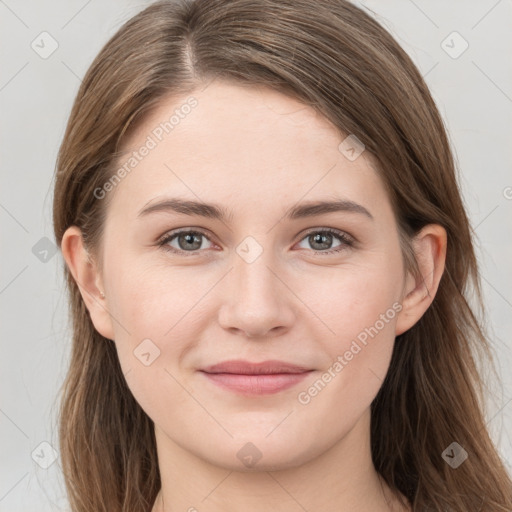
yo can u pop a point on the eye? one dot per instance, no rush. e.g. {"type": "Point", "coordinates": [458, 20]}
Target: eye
{"type": "Point", "coordinates": [321, 240]}
{"type": "Point", "coordinates": [188, 241]}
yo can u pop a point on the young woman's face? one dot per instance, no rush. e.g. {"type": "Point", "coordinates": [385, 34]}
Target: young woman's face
{"type": "Point", "coordinates": [258, 273]}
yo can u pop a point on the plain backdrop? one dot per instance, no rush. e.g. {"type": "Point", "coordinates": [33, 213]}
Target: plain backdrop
{"type": "Point", "coordinates": [463, 50]}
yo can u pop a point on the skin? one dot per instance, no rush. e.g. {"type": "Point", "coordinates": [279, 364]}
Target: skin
{"type": "Point", "coordinates": [257, 153]}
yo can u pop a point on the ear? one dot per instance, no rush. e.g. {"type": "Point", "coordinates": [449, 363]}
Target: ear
{"type": "Point", "coordinates": [429, 247]}
{"type": "Point", "coordinates": [87, 277]}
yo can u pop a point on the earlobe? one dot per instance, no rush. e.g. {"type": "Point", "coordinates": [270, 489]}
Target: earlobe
{"type": "Point", "coordinates": [430, 252]}
{"type": "Point", "coordinates": [86, 275]}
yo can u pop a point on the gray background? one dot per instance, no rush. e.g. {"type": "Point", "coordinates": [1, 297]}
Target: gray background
{"type": "Point", "coordinates": [473, 92]}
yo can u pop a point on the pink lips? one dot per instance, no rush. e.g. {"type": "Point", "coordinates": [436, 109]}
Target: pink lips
{"type": "Point", "coordinates": [255, 378]}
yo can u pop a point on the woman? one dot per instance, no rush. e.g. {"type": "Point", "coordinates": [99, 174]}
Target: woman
{"type": "Point", "coordinates": [268, 260]}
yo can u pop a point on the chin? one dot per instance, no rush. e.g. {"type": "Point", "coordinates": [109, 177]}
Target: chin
{"type": "Point", "coordinates": [258, 453]}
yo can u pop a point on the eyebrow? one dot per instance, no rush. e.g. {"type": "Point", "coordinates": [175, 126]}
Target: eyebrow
{"type": "Point", "coordinates": [213, 211]}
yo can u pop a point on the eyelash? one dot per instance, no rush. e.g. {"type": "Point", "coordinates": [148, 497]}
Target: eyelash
{"type": "Point", "coordinates": [347, 240]}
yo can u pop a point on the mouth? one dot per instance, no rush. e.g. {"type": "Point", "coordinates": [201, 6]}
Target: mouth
{"type": "Point", "coordinates": [267, 377]}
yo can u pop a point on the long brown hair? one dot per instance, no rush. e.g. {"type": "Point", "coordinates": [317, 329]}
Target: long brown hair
{"type": "Point", "coordinates": [334, 57]}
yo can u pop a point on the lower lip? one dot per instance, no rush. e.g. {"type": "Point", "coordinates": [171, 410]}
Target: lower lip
{"type": "Point", "coordinates": [256, 384]}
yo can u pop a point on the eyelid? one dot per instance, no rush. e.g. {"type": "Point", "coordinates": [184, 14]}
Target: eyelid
{"type": "Point", "coordinates": [170, 235]}
{"type": "Point", "coordinates": [338, 232]}
{"type": "Point", "coordinates": [173, 232]}
{"type": "Point", "coordinates": [347, 239]}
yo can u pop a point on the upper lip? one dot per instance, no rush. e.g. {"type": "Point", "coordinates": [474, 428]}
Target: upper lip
{"type": "Point", "coordinates": [247, 368]}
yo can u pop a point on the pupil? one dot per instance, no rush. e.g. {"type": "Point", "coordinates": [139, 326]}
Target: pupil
{"type": "Point", "coordinates": [317, 238]}
{"type": "Point", "coordinates": [189, 239]}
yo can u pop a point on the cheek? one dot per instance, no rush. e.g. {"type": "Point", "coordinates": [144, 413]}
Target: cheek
{"type": "Point", "coordinates": [358, 308]}
{"type": "Point", "coordinates": [154, 331]}
{"type": "Point", "coordinates": [349, 299]}
{"type": "Point", "coordinates": [362, 316]}
{"type": "Point", "coordinates": [341, 305]}
{"type": "Point", "coordinates": [148, 298]}
{"type": "Point", "coordinates": [157, 310]}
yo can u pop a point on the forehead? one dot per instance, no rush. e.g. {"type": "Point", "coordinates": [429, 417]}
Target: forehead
{"type": "Point", "coordinates": [232, 143]}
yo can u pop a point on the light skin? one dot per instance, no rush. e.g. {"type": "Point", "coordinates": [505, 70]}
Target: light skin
{"type": "Point", "coordinates": [256, 153]}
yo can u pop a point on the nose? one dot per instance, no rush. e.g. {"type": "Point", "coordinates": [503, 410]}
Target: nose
{"type": "Point", "coordinates": [258, 303]}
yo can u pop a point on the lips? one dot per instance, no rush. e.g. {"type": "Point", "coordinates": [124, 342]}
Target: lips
{"type": "Point", "coordinates": [248, 378]}
{"type": "Point", "coordinates": [247, 368]}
